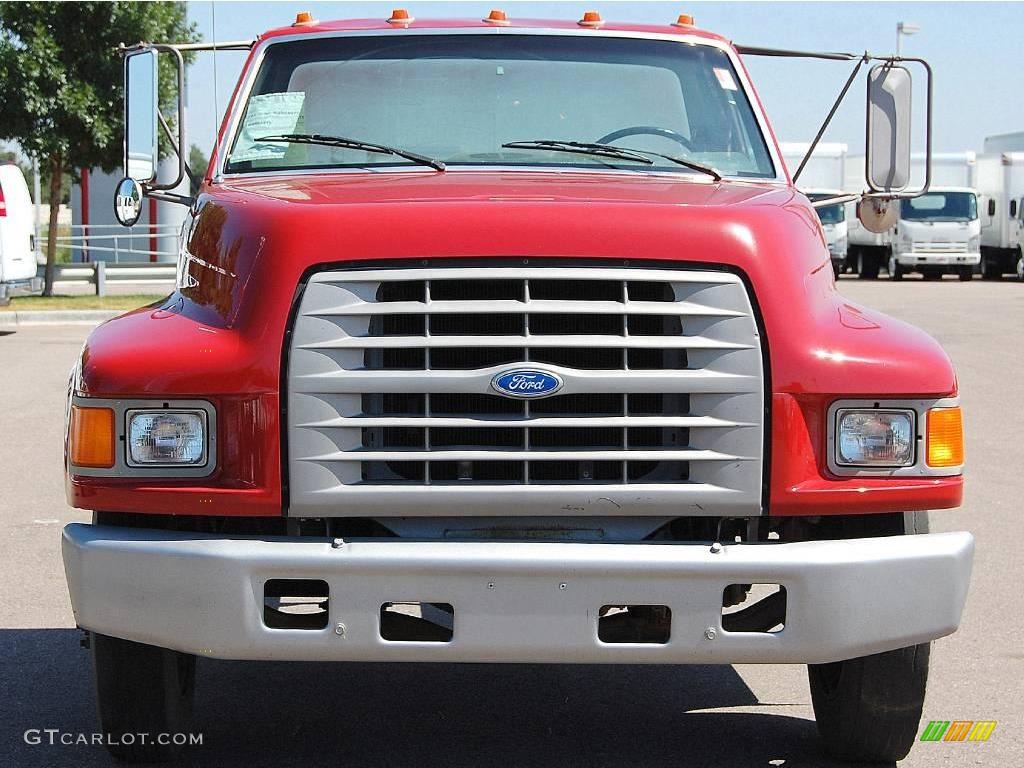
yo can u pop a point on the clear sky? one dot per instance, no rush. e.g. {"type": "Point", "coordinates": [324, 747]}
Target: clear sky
{"type": "Point", "coordinates": [974, 49]}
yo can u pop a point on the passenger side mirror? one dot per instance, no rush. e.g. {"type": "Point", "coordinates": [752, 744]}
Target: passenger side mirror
{"type": "Point", "coordinates": [991, 207]}
{"type": "Point", "coordinates": [888, 128]}
{"type": "Point", "coordinates": [140, 116]}
{"type": "Point", "coordinates": [1013, 209]}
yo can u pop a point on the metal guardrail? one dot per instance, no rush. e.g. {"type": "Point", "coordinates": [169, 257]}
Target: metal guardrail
{"type": "Point", "coordinates": [112, 242]}
{"type": "Point", "coordinates": [99, 273]}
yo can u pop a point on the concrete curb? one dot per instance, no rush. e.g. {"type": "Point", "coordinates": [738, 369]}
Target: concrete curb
{"type": "Point", "coordinates": [57, 317]}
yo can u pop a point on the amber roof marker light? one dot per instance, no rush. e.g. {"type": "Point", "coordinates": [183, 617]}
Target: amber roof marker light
{"type": "Point", "coordinates": [401, 17]}
{"type": "Point", "coordinates": [304, 19]}
{"type": "Point", "coordinates": [591, 19]}
{"type": "Point", "coordinates": [497, 16]}
{"type": "Point", "coordinates": [684, 20]}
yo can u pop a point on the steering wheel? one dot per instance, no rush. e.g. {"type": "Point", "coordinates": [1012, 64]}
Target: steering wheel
{"type": "Point", "coordinates": [647, 130]}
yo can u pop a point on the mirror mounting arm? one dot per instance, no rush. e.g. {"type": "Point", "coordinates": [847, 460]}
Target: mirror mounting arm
{"type": "Point", "coordinates": [831, 113]}
{"type": "Point", "coordinates": [181, 143]}
{"type": "Point", "coordinates": [170, 197]}
{"type": "Point", "coordinates": [177, 149]}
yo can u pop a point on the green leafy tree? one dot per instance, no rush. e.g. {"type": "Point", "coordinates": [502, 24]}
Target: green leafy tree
{"type": "Point", "coordinates": [61, 83]}
{"type": "Point", "coordinates": [197, 162]}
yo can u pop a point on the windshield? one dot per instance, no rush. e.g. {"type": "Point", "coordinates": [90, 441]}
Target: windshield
{"type": "Point", "coordinates": [829, 214]}
{"type": "Point", "coordinates": [941, 206]}
{"type": "Point", "coordinates": [458, 98]}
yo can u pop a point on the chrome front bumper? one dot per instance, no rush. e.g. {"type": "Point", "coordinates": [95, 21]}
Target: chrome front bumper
{"type": "Point", "coordinates": [936, 259]}
{"type": "Point", "coordinates": [515, 602]}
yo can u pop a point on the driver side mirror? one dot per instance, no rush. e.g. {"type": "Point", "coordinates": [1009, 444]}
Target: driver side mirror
{"type": "Point", "coordinates": [140, 116]}
{"type": "Point", "coordinates": [887, 153]}
{"type": "Point", "coordinates": [991, 207]}
{"type": "Point", "coordinates": [1013, 209]}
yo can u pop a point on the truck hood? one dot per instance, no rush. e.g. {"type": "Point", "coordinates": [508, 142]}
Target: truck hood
{"type": "Point", "coordinates": [466, 187]}
{"type": "Point", "coordinates": [250, 243]}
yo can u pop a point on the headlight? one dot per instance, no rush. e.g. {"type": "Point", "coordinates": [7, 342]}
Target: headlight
{"type": "Point", "coordinates": [166, 438]}
{"type": "Point", "coordinates": [875, 438]}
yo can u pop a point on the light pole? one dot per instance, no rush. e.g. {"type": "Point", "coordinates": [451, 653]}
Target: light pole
{"type": "Point", "coordinates": [905, 28]}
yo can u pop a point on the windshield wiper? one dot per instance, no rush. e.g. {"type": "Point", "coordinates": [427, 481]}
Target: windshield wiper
{"type": "Point", "coordinates": [609, 150]}
{"type": "Point", "coordinates": [344, 142]}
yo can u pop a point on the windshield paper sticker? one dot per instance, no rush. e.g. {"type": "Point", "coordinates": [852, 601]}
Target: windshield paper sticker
{"type": "Point", "coordinates": [725, 79]}
{"type": "Point", "coordinates": [270, 114]}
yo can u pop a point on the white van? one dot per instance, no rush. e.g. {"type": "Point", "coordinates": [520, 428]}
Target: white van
{"type": "Point", "coordinates": [17, 238]}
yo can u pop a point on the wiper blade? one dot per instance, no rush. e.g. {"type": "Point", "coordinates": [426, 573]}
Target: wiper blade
{"type": "Point", "coordinates": [343, 142]}
{"type": "Point", "coordinates": [581, 148]}
{"type": "Point", "coordinates": [610, 150]}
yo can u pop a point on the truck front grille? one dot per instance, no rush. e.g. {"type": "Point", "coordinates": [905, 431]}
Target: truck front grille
{"type": "Point", "coordinates": [391, 408]}
{"type": "Point", "coordinates": [928, 246]}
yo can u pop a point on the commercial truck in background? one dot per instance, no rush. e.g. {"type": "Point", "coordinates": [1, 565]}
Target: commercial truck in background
{"type": "Point", "coordinates": [1001, 188]}
{"type": "Point", "coordinates": [936, 233]}
{"type": "Point", "coordinates": [822, 178]}
{"type": "Point", "coordinates": [510, 340]}
{"type": "Point", "coordinates": [17, 236]}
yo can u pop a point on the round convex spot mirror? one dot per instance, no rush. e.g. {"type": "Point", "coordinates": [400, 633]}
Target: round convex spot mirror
{"type": "Point", "coordinates": [128, 202]}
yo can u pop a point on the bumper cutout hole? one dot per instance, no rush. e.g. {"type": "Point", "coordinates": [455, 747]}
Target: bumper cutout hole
{"type": "Point", "coordinates": [634, 624]}
{"type": "Point", "coordinates": [754, 608]}
{"type": "Point", "coordinates": [409, 621]}
{"type": "Point", "coordinates": [295, 604]}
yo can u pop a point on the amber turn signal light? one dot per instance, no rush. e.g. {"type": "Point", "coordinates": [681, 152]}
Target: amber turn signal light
{"type": "Point", "coordinates": [497, 17]}
{"type": "Point", "coordinates": [591, 19]}
{"type": "Point", "coordinates": [91, 438]}
{"type": "Point", "coordinates": [304, 19]}
{"type": "Point", "coordinates": [945, 437]}
{"type": "Point", "coordinates": [684, 20]}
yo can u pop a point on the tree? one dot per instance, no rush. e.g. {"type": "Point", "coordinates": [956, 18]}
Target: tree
{"type": "Point", "coordinates": [61, 83]}
{"type": "Point", "coordinates": [197, 162]}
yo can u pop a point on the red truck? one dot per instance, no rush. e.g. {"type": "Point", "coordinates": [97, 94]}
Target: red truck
{"type": "Point", "coordinates": [509, 341]}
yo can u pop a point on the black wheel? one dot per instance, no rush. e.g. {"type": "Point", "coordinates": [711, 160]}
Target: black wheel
{"type": "Point", "coordinates": [895, 269]}
{"type": "Point", "coordinates": [868, 709]}
{"type": "Point", "coordinates": [142, 689]}
{"type": "Point", "coordinates": [867, 266]}
{"type": "Point", "coordinates": [990, 269]}
{"type": "Point", "coordinates": [966, 274]}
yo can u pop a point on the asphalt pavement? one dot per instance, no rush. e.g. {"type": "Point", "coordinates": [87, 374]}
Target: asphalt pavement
{"type": "Point", "coordinates": [280, 714]}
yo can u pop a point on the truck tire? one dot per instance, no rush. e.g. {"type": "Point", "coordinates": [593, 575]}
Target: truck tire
{"type": "Point", "coordinates": [867, 265]}
{"type": "Point", "coordinates": [142, 689]}
{"type": "Point", "coordinates": [895, 269]}
{"type": "Point", "coordinates": [966, 274]}
{"type": "Point", "coordinates": [868, 709]}
{"type": "Point", "coordinates": [991, 269]}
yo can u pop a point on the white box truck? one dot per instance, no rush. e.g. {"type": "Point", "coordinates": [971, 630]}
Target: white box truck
{"type": "Point", "coordinates": [823, 177]}
{"type": "Point", "coordinates": [17, 238]}
{"type": "Point", "coordinates": [1001, 190]}
{"type": "Point", "coordinates": [936, 233]}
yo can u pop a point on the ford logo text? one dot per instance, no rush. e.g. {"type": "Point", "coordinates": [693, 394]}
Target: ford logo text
{"type": "Point", "coordinates": [526, 383]}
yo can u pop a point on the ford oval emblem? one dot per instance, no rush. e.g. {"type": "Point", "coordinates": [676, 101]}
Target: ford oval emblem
{"type": "Point", "coordinates": [526, 383]}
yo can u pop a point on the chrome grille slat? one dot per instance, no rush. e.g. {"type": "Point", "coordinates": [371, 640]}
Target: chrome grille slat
{"type": "Point", "coordinates": [343, 422]}
{"type": "Point", "coordinates": [683, 308]}
{"type": "Point", "coordinates": [527, 455]}
{"type": "Point", "coordinates": [537, 342]}
{"type": "Point", "coordinates": [391, 409]}
{"type": "Point", "coordinates": [449, 381]}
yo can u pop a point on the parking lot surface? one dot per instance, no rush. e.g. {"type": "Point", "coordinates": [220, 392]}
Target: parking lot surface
{"type": "Point", "coordinates": [278, 714]}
